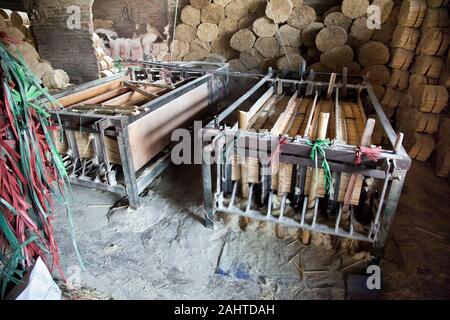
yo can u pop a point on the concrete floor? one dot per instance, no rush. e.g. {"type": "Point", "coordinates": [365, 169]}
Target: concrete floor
{"type": "Point", "coordinates": [163, 251]}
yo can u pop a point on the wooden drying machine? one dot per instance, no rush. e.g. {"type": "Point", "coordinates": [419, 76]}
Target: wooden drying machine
{"type": "Point", "coordinates": [117, 129]}
{"type": "Point", "coordinates": [260, 164]}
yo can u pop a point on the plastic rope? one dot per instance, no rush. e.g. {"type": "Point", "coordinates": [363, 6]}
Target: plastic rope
{"type": "Point", "coordinates": [32, 173]}
{"type": "Point", "coordinates": [367, 152]}
{"type": "Point", "coordinates": [318, 149]}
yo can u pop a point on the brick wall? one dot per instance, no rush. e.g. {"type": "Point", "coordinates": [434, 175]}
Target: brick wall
{"type": "Point", "coordinates": [142, 11]}
{"type": "Point", "coordinates": [68, 49]}
{"type": "Point", "coordinates": [172, 6]}
{"type": "Point", "coordinates": [171, 12]}
{"type": "Point", "coordinates": [15, 5]}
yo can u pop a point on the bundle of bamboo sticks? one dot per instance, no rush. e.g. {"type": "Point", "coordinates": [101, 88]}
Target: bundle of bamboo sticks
{"type": "Point", "coordinates": [316, 119]}
{"type": "Point", "coordinates": [423, 35]}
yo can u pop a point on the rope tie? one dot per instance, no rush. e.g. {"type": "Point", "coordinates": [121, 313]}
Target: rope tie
{"type": "Point", "coordinates": [318, 149]}
{"type": "Point", "coordinates": [276, 154]}
{"type": "Point", "coordinates": [367, 152]}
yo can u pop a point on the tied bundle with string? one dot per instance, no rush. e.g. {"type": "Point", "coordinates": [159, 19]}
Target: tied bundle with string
{"type": "Point", "coordinates": [318, 149]}
{"type": "Point", "coordinates": [367, 152]}
{"type": "Point", "coordinates": [32, 173]}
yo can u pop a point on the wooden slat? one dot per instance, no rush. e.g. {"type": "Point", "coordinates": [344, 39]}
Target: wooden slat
{"type": "Point", "coordinates": [276, 112]}
{"type": "Point", "coordinates": [91, 92]}
{"type": "Point", "coordinates": [259, 103]}
{"type": "Point", "coordinates": [105, 96]}
{"type": "Point", "coordinates": [261, 117]}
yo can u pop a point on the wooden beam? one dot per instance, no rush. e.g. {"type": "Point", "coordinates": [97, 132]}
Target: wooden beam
{"type": "Point", "coordinates": [141, 91]}
{"type": "Point", "coordinates": [90, 93]}
{"type": "Point", "coordinates": [105, 96]}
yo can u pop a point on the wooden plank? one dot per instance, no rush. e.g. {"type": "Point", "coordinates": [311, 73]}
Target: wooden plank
{"type": "Point", "coordinates": [300, 117]}
{"type": "Point", "coordinates": [150, 134]}
{"type": "Point", "coordinates": [283, 120]}
{"type": "Point", "coordinates": [312, 134]}
{"type": "Point", "coordinates": [311, 115]}
{"type": "Point", "coordinates": [259, 103]}
{"type": "Point", "coordinates": [284, 176]}
{"type": "Point", "coordinates": [321, 135]}
{"type": "Point", "coordinates": [137, 98]}
{"type": "Point", "coordinates": [276, 112]}
{"type": "Point", "coordinates": [265, 112]}
{"type": "Point", "coordinates": [331, 85]}
{"type": "Point", "coordinates": [91, 92]}
{"type": "Point", "coordinates": [133, 87]}
{"type": "Point", "coordinates": [105, 96]}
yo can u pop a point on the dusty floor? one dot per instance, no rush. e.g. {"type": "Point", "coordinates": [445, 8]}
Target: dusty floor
{"type": "Point", "coordinates": [163, 251]}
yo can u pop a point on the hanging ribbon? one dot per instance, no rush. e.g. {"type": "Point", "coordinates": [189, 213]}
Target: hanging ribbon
{"type": "Point", "coordinates": [366, 152]}
{"type": "Point", "coordinates": [318, 149]}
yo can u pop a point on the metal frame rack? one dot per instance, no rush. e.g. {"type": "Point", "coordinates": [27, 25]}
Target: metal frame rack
{"type": "Point", "coordinates": [390, 168]}
{"type": "Point", "coordinates": [123, 179]}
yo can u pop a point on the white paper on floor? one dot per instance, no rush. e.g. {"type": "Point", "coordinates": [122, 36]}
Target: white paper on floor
{"type": "Point", "coordinates": [40, 285]}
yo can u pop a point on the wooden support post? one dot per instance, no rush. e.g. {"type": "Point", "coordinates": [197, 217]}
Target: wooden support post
{"type": "Point", "coordinates": [331, 85]}
{"type": "Point", "coordinates": [398, 142]}
{"type": "Point", "coordinates": [344, 82]}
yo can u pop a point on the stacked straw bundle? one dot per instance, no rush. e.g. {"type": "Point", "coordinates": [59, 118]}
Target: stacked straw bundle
{"type": "Point", "coordinates": [16, 26]}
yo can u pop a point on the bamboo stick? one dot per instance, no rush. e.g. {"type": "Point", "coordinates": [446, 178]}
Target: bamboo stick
{"type": "Point", "coordinates": [365, 142]}
{"type": "Point", "coordinates": [321, 135]}
{"type": "Point", "coordinates": [280, 128]}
